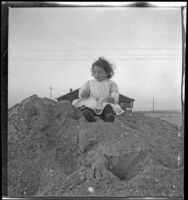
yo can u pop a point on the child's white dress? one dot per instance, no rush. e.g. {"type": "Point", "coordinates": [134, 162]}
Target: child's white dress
{"type": "Point", "coordinates": [97, 91]}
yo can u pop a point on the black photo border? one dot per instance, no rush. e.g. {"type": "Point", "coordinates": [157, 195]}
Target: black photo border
{"type": "Point", "coordinates": [4, 78]}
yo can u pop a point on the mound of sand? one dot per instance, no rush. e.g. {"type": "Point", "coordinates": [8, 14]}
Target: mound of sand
{"type": "Point", "coordinates": [53, 150]}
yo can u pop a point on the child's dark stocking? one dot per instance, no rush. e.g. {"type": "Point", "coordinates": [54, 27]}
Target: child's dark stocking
{"type": "Point", "coordinates": [107, 114]}
{"type": "Point", "coordinates": [88, 114]}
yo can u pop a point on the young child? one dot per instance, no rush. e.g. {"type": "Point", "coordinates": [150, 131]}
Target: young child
{"type": "Point", "coordinates": [99, 96]}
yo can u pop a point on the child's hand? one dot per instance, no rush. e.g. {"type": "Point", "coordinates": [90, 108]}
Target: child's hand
{"type": "Point", "coordinates": [108, 99]}
{"type": "Point", "coordinates": [84, 94]}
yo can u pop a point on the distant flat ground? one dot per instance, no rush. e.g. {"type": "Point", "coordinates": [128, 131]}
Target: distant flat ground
{"type": "Point", "coordinates": [172, 117]}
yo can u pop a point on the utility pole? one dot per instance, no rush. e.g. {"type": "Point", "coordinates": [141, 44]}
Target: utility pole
{"type": "Point", "coordinates": [50, 92]}
{"type": "Point", "coordinates": [153, 105]}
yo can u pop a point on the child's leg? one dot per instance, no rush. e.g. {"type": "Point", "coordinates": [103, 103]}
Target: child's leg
{"type": "Point", "coordinates": [107, 114]}
{"type": "Point", "coordinates": [89, 114]}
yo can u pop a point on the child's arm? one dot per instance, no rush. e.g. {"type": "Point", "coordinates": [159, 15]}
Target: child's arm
{"type": "Point", "coordinates": [114, 92]}
{"type": "Point", "coordinates": [84, 91]}
{"type": "Point", "coordinates": [114, 95]}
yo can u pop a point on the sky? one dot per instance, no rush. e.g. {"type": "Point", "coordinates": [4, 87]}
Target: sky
{"type": "Point", "coordinates": [55, 47]}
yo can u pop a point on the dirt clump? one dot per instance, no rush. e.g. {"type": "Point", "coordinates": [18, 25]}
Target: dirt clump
{"type": "Point", "coordinates": [54, 151]}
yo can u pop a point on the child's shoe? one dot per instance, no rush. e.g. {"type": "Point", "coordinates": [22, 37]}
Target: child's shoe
{"type": "Point", "coordinates": [107, 114]}
{"type": "Point", "coordinates": [109, 117]}
{"type": "Point", "coordinates": [89, 115]}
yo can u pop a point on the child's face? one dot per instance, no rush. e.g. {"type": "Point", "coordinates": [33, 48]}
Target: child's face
{"type": "Point", "coordinates": [99, 73]}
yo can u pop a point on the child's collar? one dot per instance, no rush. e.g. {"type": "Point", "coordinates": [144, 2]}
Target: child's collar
{"type": "Point", "coordinates": [106, 79]}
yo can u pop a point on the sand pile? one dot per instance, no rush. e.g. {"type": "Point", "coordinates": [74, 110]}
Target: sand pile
{"type": "Point", "coordinates": [53, 150]}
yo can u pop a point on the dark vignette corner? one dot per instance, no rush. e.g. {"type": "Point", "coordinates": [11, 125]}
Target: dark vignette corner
{"type": "Point", "coordinates": [4, 93]}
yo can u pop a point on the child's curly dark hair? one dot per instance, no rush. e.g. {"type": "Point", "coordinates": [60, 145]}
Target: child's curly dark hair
{"type": "Point", "coordinates": [105, 65]}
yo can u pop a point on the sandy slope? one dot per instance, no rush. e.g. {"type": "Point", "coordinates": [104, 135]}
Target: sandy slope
{"type": "Point", "coordinates": [53, 151]}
